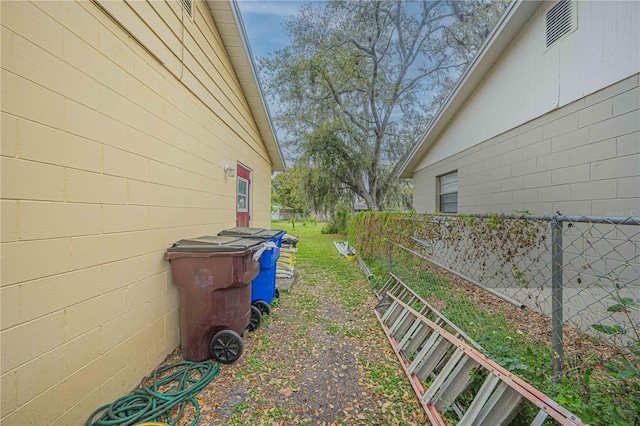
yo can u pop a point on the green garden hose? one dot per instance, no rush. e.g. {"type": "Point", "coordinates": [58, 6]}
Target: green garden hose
{"type": "Point", "coordinates": [170, 386]}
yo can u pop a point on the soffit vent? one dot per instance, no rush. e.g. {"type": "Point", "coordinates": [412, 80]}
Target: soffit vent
{"type": "Point", "coordinates": [560, 20]}
{"type": "Point", "coordinates": [188, 7]}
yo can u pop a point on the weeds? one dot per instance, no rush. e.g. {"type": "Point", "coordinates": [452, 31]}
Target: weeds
{"type": "Point", "coordinates": [609, 396]}
{"type": "Point", "coordinates": [342, 331]}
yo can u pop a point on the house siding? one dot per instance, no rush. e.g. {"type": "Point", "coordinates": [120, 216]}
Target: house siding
{"type": "Point", "coordinates": [108, 156]}
{"type": "Point", "coordinates": [581, 159]}
{"type": "Point", "coordinates": [528, 80]}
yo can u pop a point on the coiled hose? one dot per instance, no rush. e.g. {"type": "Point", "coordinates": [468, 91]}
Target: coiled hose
{"type": "Point", "coordinates": [170, 386]}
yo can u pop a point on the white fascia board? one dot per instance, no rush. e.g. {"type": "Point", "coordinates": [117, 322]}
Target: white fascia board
{"type": "Point", "coordinates": [228, 20]}
{"type": "Point", "coordinates": [511, 23]}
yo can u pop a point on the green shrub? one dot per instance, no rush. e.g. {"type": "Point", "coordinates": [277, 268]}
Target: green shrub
{"type": "Point", "coordinates": [339, 222]}
{"type": "Point", "coordinates": [330, 228]}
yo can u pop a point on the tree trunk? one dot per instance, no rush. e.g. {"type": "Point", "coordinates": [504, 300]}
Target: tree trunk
{"type": "Point", "coordinates": [371, 202]}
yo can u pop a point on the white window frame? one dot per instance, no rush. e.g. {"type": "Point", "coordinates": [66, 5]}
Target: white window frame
{"type": "Point", "coordinates": [245, 195]}
{"type": "Point", "coordinates": [440, 184]}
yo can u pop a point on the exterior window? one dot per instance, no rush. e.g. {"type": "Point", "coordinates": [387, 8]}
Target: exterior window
{"type": "Point", "coordinates": [448, 190]}
{"type": "Point", "coordinates": [243, 195]}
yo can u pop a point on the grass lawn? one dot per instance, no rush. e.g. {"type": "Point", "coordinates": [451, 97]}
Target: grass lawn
{"type": "Point", "coordinates": [320, 358]}
{"type": "Point", "coordinates": [595, 394]}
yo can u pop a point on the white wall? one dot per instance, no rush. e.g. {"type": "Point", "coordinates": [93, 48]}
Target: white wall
{"type": "Point", "coordinates": [529, 80]}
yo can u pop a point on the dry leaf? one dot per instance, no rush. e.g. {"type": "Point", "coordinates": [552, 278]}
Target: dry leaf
{"type": "Point", "coordinates": [286, 392]}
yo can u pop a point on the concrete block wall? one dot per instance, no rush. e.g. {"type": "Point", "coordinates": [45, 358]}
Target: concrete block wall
{"type": "Point", "coordinates": [107, 158]}
{"type": "Point", "coordinates": [581, 159]}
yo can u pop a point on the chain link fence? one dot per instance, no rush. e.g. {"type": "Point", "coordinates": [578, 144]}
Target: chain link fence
{"type": "Point", "coordinates": [513, 257]}
{"type": "Point", "coordinates": [547, 296]}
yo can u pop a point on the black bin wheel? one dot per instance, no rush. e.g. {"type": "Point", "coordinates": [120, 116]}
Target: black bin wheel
{"type": "Point", "coordinates": [226, 346]}
{"type": "Point", "coordinates": [256, 319]}
{"type": "Point", "coordinates": [264, 307]}
{"type": "Point", "coordinates": [277, 295]}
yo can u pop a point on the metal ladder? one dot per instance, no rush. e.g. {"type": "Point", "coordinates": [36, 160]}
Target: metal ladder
{"type": "Point", "coordinates": [430, 354]}
{"type": "Point", "coordinates": [396, 287]}
{"type": "Point", "coordinates": [393, 285]}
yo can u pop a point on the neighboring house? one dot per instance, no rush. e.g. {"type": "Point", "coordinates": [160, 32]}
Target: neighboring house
{"type": "Point", "coordinates": [546, 118]}
{"type": "Point", "coordinates": [360, 205]}
{"type": "Point", "coordinates": [275, 212]}
{"type": "Point", "coordinates": [118, 119]}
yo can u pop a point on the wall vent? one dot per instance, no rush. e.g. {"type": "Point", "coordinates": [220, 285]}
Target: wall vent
{"type": "Point", "coordinates": [560, 20]}
{"type": "Point", "coordinates": [187, 5]}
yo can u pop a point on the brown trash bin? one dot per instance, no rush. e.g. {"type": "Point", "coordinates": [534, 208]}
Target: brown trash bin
{"type": "Point", "coordinates": [213, 275]}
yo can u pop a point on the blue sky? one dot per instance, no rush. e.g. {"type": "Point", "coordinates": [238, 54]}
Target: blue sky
{"type": "Point", "coordinates": [263, 23]}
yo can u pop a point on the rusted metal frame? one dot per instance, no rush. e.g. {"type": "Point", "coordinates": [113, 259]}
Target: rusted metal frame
{"type": "Point", "coordinates": [416, 384]}
{"type": "Point", "coordinates": [542, 401]}
{"type": "Point", "coordinates": [438, 313]}
{"type": "Point", "coordinates": [429, 408]}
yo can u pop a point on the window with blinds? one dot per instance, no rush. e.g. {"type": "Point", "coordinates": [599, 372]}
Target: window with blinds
{"type": "Point", "coordinates": [448, 192]}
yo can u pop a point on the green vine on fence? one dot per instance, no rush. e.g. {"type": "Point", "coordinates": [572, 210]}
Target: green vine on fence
{"type": "Point", "coordinates": [626, 366]}
{"type": "Point", "coordinates": [602, 388]}
{"type": "Point", "coordinates": [493, 244]}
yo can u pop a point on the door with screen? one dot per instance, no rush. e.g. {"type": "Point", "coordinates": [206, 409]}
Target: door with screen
{"type": "Point", "coordinates": [243, 197]}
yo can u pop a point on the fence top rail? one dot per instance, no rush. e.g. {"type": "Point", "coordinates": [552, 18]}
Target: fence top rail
{"type": "Point", "coordinates": [464, 277]}
{"type": "Point", "coordinates": [613, 220]}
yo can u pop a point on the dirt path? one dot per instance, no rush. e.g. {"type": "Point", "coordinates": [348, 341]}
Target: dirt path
{"type": "Point", "coordinates": [321, 357]}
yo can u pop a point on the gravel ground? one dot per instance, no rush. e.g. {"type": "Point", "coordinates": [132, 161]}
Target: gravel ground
{"type": "Point", "coordinates": [320, 358]}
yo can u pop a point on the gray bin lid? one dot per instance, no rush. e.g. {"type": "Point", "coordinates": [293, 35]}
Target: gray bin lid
{"type": "Point", "coordinates": [243, 231]}
{"type": "Point", "coordinates": [288, 239]}
{"type": "Point", "coordinates": [217, 244]}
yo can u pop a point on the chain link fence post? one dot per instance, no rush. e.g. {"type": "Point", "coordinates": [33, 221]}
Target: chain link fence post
{"type": "Point", "coordinates": [556, 298]}
{"type": "Point", "coordinates": [390, 256]}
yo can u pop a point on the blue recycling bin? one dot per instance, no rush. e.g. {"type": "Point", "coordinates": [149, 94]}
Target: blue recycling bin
{"type": "Point", "coordinates": [263, 286]}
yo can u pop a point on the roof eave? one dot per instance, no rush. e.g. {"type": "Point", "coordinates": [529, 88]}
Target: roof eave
{"type": "Point", "coordinates": [228, 20]}
{"type": "Point", "coordinates": [515, 17]}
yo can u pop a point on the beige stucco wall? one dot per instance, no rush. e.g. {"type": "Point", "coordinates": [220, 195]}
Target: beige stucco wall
{"type": "Point", "coordinates": [581, 159]}
{"type": "Point", "coordinates": [108, 156]}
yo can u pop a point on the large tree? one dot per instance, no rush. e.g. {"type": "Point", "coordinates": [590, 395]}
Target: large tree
{"type": "Point", "coordinates": [307, 188]}
{"type": "Point", "coordinates": [288, 190]}
{"type": "Point", "coordinates": [354, 85]}
{"type": "Point", "coordinates": [464, 36]}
